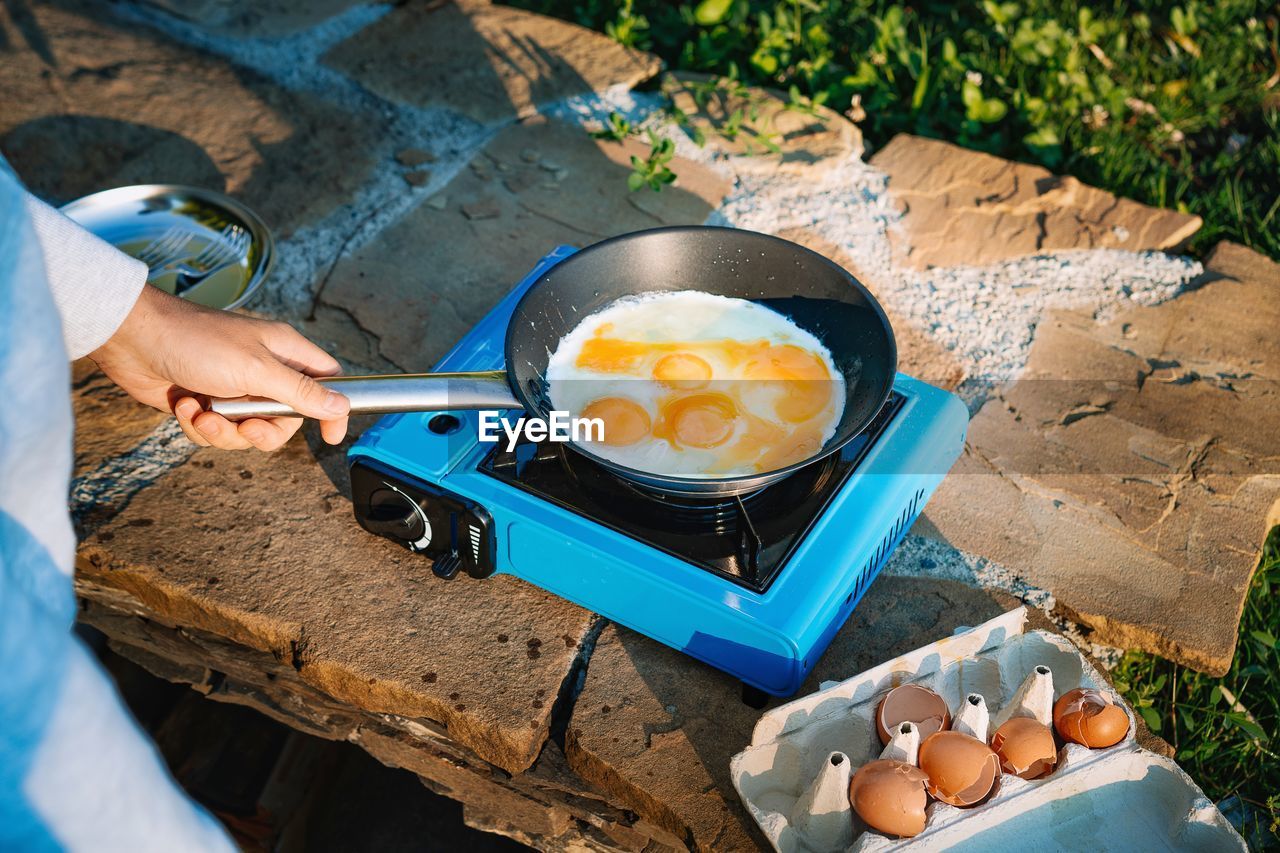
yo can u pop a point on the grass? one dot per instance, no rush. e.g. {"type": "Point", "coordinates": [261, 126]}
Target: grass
{"type": "Point", "coordinates": [1224, 729]}
{"type": "Point", "coordinates": [1177, 106]}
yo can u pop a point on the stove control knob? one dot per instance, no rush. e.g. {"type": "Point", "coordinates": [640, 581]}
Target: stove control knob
{"type": "Point", "coordinates": [394, 514]}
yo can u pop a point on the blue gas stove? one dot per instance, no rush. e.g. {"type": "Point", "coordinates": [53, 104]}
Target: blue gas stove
{"type": "Point", "coordinates": [756, 586]}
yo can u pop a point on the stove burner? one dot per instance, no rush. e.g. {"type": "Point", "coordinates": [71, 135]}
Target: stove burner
{"type": "Point", "coordinates": [746, 539]}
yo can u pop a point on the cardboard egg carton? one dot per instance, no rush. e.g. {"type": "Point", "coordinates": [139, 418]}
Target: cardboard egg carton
{"type": "Point", "coordinates": [803, 754]}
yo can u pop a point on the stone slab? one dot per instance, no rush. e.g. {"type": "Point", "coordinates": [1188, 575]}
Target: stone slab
{"type": "Point", "coordinates": [421, 284]}
{"type": "Point", "coordinates": [108, 421]}
{"type": "Point", "coordinates": [963, 207]}
{"type": "Point", "coordinates": [263, 551]}
{"type": "Point", "coordinates": [1133, 470]}
{"type": "Point", "coordinates": [656, 729]}
{"type": "Point", "coordinates": [491, 63]}
{"type": "Point", "coordinates": [807, 142]}
{"type": "Point", "coordinates": [255, 18]}
{"type": "Point", "coordinates": [548, 807]}
{"type": "Point", "coordinates": [92, 102]}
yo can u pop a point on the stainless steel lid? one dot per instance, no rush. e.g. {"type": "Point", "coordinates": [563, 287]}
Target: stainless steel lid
{"type": "Point", "coordinates": [198, 243]}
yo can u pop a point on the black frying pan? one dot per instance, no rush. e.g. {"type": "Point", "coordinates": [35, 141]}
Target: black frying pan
{"type": "Point", "coordinates": [815, 293]}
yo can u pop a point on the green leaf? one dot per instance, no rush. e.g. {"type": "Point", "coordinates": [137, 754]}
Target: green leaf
{"type": "Point", "coordinates": [1152, 718]}
{"type": "Point", "coordinates": [635, 180]}
{"type": "Point", "coordinates": [711, 12]}
{"type": "Point", "coordinates": [991, 110]}
{"type": "Point", "coordinates": [766, 62]}
{"type": "Point", "coordinates": [1265, 637]}
{"type": "Point", "coordinates": [1247, 726]}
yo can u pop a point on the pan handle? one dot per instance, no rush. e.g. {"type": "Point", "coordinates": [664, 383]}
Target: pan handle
{"type": "Point", "coordinates": [409, 392]}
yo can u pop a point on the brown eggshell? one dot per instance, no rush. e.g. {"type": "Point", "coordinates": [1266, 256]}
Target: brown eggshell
{"type": "Point", "coordinates": [915, 704]}
{"type": "Point", "coordinates": [1089, 717]}
{"type": "Point", "coordinates": [890, 796]}
{"type": "Point", "coordinates": [1026, 748]}
{"type": "Point", "coordinates": [962, 770]}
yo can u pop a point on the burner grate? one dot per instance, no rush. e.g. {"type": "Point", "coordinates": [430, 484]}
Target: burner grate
{"type": "Point", "coordinates": [746, 539]}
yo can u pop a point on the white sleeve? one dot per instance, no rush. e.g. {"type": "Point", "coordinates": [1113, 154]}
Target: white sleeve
{"type": "Point", "coordinates": [94, 284]}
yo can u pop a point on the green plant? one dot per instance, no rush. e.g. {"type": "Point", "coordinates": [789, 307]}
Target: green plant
{"type": "Point", "coordinates": [1176, 105]}
{"type": "Point", "coordinates": [652, 171]}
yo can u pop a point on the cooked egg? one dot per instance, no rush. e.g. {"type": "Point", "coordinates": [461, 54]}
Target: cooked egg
{"type": "Point", "coordinates": [692, 384]}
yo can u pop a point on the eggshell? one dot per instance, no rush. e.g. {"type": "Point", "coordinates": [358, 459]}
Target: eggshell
{"type": "Point", "coordinates": [890, 796]}
{"type": "Point", "coordinates": [962, 770]}
{"type": "Point", "coordinates": [1089, 717]}
{"type": "Point", "coordinates": [1026, 748]}
{"type": "Point", "coordinates": [915, 704]}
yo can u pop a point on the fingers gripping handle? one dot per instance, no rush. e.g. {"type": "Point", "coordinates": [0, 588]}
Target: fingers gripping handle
{"type": "Point", "coordinates": [423, 392]}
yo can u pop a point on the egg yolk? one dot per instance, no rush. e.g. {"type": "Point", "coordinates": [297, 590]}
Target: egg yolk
{"type": "Point", "coordinates": [698, 420]}
{"type": "Point", "coordinates": [625, 421]}
{"type": "Point", "coordinates": [682, 370]}
{"type": "Point", "coordinates": [801, 376]}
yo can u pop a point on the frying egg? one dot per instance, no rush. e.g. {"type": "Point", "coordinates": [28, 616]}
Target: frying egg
{"type": "Point", "coordinates": [692, 384]}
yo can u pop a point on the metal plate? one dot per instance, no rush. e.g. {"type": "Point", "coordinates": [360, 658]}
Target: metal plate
{"type": "Point", "coordinates": [199, 225]}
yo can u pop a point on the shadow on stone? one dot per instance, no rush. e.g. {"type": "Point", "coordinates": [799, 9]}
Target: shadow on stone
{"type": "Point", "coordinates": [105, 152]}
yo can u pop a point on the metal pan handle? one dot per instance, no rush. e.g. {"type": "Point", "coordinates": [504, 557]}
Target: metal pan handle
{"type": "Point", "coordinates": [410, 392]}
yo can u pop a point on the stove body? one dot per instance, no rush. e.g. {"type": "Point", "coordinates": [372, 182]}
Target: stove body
{"type": "Point", "coordinates": [755, 587]}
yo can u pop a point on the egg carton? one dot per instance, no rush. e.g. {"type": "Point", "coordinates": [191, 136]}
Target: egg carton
{"type": "Point", "coordinates": [1119, 798]}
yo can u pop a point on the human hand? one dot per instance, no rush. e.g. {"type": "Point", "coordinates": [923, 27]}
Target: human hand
{"type": "Point", "coordinates": [173, 355]}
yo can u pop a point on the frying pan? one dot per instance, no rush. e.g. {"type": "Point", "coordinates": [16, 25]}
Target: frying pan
{"type": "Point", "coordinates": [813, 292]}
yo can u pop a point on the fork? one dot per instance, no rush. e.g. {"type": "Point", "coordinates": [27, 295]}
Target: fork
{"type": "Point", "coordinates": [165, 249]}
{"type": "Point", "coordinates": [219, 253]}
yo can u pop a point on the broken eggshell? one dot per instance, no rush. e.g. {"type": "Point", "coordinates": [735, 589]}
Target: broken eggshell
{"type": "Point", "coordinates": [962, 770]}
{"type": "Point", "coordinates": [889, 792]}
{"type": "Point", "coordinates": [1089, 717]}
{"type": "Point", "coordinates": [1026, 748]}
{"type": "Point", "coordinates": [915, 704]}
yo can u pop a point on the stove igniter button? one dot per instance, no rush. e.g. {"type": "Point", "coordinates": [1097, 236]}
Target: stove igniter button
{"type": "Point", "coordinates": [393, 513]}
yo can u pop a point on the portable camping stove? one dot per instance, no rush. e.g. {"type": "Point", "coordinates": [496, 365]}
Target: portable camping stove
{"type": "Point", "coordinates": [756, 585]}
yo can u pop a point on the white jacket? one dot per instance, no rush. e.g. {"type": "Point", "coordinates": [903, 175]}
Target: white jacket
{"type": "Point", "coordinates": [76, 772]}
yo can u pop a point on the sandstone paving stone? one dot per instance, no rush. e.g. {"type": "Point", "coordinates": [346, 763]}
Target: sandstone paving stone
{"type": "Point", "coordinates": [255, 18]}
{"type": "Point", "coordinates": [491, 63]}
{"type": "Point", "coordinates": [93, 102]}
{"type": "Point", "coordinates": [421, 284]}
{"type": "Point", "coordinates": [108, 421]}
{"type": "Point", "coordinates": [263, 551]}
{"type": "Point", "coordinates": [656, 729]}
{"type": "Point", "coordinates": [806, 142]}
{"type": "Point", "coordinates": [964, 207]}
{"type": "Point", "coordinates": [1132, 471]}
{"type": "Point", "coordinates": [547, 806]}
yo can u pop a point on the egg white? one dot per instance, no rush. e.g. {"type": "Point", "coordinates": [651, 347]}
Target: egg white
{"type": "Point", "coordinates": [686, 315]}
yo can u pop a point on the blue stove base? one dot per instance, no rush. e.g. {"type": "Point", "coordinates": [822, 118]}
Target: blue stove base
{"type": "Point", "coordinates": [769, 640]}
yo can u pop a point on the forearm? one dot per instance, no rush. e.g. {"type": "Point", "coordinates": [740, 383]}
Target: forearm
{"type": "Point", "coordinates": [94, 284]}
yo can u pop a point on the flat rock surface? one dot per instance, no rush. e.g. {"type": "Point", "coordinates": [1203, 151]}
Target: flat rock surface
{"type": "Point", "coordinates": [425, 281]}
{"type": "Point", "coordinates": [263, 550]}
{"type": "Point", "coordinates": [491, 63]}
{"type": "Point", "coordinates": [759, 129]}
{"type": "Point", "coordinates": [255, 18]}
{"type": "Point", "coordinates": [1133, 470]}
{"type": "Point", "coordinates": [92, 102]}
{"type": "Point", "coordinates": [111, 422]}
{"type": "Point", "coordinates": [656, 729]}
{"type": "Point", "coordinates": [966, 207]}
